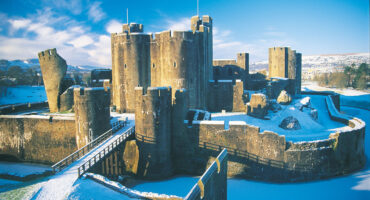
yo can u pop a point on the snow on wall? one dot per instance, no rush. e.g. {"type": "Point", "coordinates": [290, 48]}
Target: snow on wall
{"type": "Point", "coordinates": [268, 156]}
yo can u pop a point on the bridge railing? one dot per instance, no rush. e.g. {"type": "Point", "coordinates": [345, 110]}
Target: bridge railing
{"type": "Point", "coordinates": [85, 149]}
{"type": "Point", "coordinates": [101, 155]}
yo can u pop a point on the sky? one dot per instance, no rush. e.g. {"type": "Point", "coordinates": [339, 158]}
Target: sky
{"type": "Point", "coordinates": [80, 29]}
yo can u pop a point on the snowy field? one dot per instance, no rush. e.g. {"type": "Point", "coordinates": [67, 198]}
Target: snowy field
{"type": "Point", "coordinates": [22, 94]}
{"type": "Point", "coordinates": [311, 129]}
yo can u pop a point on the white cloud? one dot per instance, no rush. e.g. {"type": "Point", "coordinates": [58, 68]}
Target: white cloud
{"type": "Point", "coordinates": [81, 41]}
{"type": "Point", "coordinates": [114, 26]}
{"type": "Point", "coordinates": [180, 25]}
{"type": "Point", "coordinates": [95, 12]}
{"type": "Point", "coordinates": [73, 41]}
{"type": "Point", "coordinates": [101, 52]}
{"type": "Point", "coordinates": [19, 23]}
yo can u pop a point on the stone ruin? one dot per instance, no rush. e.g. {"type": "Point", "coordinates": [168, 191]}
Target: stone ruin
{"type": "Point", "coordinates": [257, 106]}
{"type": "Point", "coordinates": [53, 69]}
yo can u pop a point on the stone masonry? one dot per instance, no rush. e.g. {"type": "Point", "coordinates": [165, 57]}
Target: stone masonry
{"type": "Point", "coordinates": [153, 131]}
{"type": "Point", "coordinates": [180, 59]}
{"type": "Point", "coordinates": [232, 69]}
{"type": "Point", "coordinates": [92, 115]}
{"type": "Point", "coordinates": [286, 63]}
{"type": "Point", "coordinates": [53, 68]}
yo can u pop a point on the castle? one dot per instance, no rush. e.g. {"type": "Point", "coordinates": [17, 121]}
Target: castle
{"type": "Point", "coordinates": [171, 82]}
{"type": "Point", "coordinates": [183, 59]}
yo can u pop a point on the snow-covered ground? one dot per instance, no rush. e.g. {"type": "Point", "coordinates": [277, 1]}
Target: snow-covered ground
{"type": "Point", "coordinates": [310, 129]}
{"type": "Point", "coordinates": [22, 94]}
{"type": "Point", "coordinates": [22, 169]}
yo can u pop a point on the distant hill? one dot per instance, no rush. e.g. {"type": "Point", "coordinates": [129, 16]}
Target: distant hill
{"type": "Point", "coordinates": [34, 63]}
{"type": "Point", "coordinates": [326, 60]}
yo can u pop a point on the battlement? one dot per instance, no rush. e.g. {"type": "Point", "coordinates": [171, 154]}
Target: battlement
{"type": "Point", "coordinates": [153, 92]}
{"type": "Point", "coordinates": [118, 38]}
{"type": "Point", "coordinates": [48, 54]}
{"type": "Point", "coordinates": [173, 35]}
{"type": "Point", "coordinates": [201, 24]}
{"type": "Point", "coordinates": [132, 28]}
{"type": "Point", "coordinates": [279, 49]}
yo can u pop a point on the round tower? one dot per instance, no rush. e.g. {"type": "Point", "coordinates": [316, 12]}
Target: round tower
{"type": "Point", "coordinates": [153, 131]}
{"type": "Point", "coordinates": [130, 65]}
{"type": "Point", "coordinates": [92, 116]}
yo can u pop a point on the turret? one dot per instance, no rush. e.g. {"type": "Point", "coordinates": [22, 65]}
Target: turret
{"type": "Point", "coordinates": [153, 131]}
{"type": "Point", "coordinates": [130, 66]}
{"type": "Point", "coordinates": [92, 116]}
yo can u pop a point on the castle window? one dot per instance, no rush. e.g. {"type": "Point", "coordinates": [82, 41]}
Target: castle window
{"type": "Point", "coordinates": [174, 64]}
{"type": "Point", "coordinates": [153, 65]}
{"type": "Point", "coordinates": [125, 66]}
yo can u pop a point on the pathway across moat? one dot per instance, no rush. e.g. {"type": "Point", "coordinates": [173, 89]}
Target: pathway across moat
{"type": "Point", "coordinates": [61, 184]}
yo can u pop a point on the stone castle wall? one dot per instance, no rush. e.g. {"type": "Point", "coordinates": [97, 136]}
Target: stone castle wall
{"type": "Point", "coordinates": [232, 69]}
{"type": "Point", "coordinates": [21, 107]}
{"type": "Point", "coordinates": [53, 68]}
{"type": "Point", "coordinates": [48, 139]}
{"type": "Point", "coordinates": [37, 138]}
{"type": "Point", "coordinates": [267, 155]}
{"type": "Point", "coordinates": [225, 95]}
{"type": "Point", "coordinates": [66, 99]}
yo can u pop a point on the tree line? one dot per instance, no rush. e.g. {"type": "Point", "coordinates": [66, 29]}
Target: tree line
{"type": "Point", "coordinates": [352, 76]}
{"type": "Point", "coordinates": [15, 75]}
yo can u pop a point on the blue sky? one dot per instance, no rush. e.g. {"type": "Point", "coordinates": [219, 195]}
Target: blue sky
{"type": "Point", "coordinates": [80, 29]}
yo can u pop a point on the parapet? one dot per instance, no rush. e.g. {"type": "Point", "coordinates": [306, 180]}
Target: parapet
{"type": "Point", "coordinates": [198, 24]}
{"type": "Point", "coordinates": [49, 54]}
{"type": "Point", "coordinates": [132, 28]}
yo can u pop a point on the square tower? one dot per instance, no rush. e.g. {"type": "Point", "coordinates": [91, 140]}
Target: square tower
{"type": "Point", "coordinates": [286, 63]}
